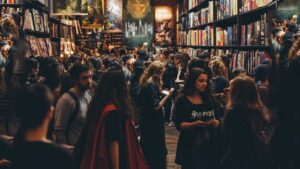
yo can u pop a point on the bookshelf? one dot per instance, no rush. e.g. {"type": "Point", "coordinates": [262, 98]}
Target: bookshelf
{"type": "Point", "coordinates": [239, 17]}
{"type": "Point", "coordinates": [241, 33]}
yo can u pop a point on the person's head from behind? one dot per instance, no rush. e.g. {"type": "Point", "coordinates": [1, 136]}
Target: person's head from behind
{"type": "Point", "coordinates": [165, 55]}
{"type": "Point", "coordinates": [34, 107]}
{"type": "Point", "coordinates": [196, 82]}
{"type": "Point", "coordinates": [122, 51]}
{"type": "Point", "coordinates": [33, 66]}
{"type": "Point", "coordinates": [239, 72]}
{"type": "Point", "coordinates": [153, 73]}
{"type": "Point", "coordinates": [218, 68]}
{"type": "Point", "coordinates": [111, 89]}
{"type": "Point", "coordinates": [197, 63]}
{"type": "Point", "coordinates": [245, 97]}
{"type": "Point", "coordinates": [82, 76]}
{"type": "Point", "coordinates": [262, 72]}
{"type": "Point", "coordinates": [243, 93]}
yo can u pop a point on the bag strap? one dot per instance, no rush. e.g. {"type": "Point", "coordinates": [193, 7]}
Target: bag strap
{"type": "Point", "coordinates": [74, 113]}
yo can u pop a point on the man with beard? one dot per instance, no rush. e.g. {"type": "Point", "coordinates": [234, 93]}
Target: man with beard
{"type": "Point", "coordinates": [71, 108]}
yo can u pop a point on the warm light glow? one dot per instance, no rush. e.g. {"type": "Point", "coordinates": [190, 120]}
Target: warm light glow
{"type": "Point", "coordinates": [163, 13]}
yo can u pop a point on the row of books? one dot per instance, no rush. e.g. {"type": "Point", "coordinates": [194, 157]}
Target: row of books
{"type": "Point", "coordinates": [78, 29]}
{"type": "Point", "coordinates": [203, 37]}
{"type": "Point", "coordinates": [248, 60]}
{"type": "Point", "coordinates": [36, 21]}
{"type": "Point", "coordinates": [191, 51]}
{"type": "Point", "coordinates": [41, 46]}
{"type": "Point", "coordinates": [205, 15]}
{"type": "Point", "coordinates": [66, 32]}
{"type": "Point", "coordinates": [248, 5]}
{"type": "Point", "coordinates": [9, 1]}
{"type": "Point", "coordinates": [54, 30]}
{"type": "Point", "coordinates": [226, 8]}
{"type": "Point", "coordinates": [226, 37]}
{"type": "Point", "coordinates": [194, 3]}
{"type": "Point", "coordinates": [255, 33]}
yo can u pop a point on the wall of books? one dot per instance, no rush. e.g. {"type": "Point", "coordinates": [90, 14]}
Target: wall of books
{"type": "Point", "coordinates": [239, 25]}
{"type": "Point", "coordinates": [204, 23]}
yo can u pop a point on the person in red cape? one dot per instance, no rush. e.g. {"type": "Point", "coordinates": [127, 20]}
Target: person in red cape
{"type": "Point", "coordinates": [111, 139]}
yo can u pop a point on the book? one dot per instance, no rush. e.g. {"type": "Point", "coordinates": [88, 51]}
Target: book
{"type": "Point", "coordinates": [28, 20]}
{"type": "Point", "coordinates": [43, 47]}
{"type": "Point", "coordinates": [248, 5]}
{"type": "Point", "coordinates": [226, 8]}
{"type": "Point", "coordinates": [55, 48]}
{"type": "Point", "coordinates": [255, 33]}
{"type": "Point", "coordinates": [248, 60]}
{"type": "Point", "coordinates": [49, 46]}
{"type": "Point", "coordinates": [46, 23]}
{"type": "Point", "coordinates": [37, 20]}
{"type": "Point", "coordinates": [250, 38]}
{"type": "Point", "coordinates": [34, 48]}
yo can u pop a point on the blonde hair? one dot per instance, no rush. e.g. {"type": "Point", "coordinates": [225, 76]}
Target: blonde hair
{"type": "Point", "coordinates": [295, 49]}
{"type": "Point", "coordinates": [152, 74]}
{"type": "Point", "coordinates": [219, 68]}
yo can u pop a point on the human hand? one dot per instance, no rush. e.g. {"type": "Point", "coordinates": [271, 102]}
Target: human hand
{"type": "Point", "coordinates": [214, 123]}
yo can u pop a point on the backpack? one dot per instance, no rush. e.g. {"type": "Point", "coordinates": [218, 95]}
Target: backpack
{"type": "Point", "coordinates": [73, 115]}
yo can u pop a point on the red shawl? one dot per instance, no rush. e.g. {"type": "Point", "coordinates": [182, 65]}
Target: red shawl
{"type": "Point", "coordinates": [96, 154]}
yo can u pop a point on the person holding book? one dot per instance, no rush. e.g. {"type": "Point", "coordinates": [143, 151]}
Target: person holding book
{"type": "Point", "coordinates": [152, 123]}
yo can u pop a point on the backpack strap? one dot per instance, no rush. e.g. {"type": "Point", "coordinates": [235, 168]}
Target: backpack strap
{"type": "Point", "coordinates": [73, 115]}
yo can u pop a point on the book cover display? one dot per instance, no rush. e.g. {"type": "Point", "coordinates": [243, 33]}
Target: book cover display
{"type": "Point", "coordinates": [138, 22]}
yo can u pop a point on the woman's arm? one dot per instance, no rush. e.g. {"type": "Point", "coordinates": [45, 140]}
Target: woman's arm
{"type": "Point", "coordinates": [188, 125]}
{"type": "Point", "coordinates": [164, 100]}
{"type": "Point", "coordinates": [114, 154]}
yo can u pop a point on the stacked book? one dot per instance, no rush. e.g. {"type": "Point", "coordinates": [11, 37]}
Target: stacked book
{"type": "Point", "coordinates": [248, 5]}
{"type": "Point", "coordinates": [226, 37]}
{"type": "Point", "coordinates": [226, 8]}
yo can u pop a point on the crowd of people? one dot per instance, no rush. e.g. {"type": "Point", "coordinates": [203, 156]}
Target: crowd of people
{"type": "Point", "coordinates": [94, 110]}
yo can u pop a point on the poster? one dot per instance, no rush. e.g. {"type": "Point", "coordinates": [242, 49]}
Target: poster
{"type": "Point", "coordinates": [95, 18]}
{"type": "Point", "coordinates": [165, 34]}
{"type": "Point", "coordinates": [137, 22]}
{"type": "Point", "coordinates": [113, 14]}
{"type": "Point", "coordinates": [70, 7]}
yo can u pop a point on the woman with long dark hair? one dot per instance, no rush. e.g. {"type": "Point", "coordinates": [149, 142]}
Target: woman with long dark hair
{"type": "Point", "coordinates": [196, 119]}
{"type": "Point", "coordinates": [246, 127]}
{"type": "Point", "coordinates": [111, 140]}
{"type": "Point", "coordinates": [152, 123]}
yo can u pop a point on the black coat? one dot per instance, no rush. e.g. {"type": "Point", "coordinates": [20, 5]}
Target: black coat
{"type": "Point", "coordinates": [152, 127]}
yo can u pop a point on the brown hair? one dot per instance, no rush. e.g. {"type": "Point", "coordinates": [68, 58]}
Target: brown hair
{"type": "Point", "coordinates": [244, 96]}
{"type": "Point", "coordinates": [152, 74]}
{"type": "Point", "coordinates": [295, 49]}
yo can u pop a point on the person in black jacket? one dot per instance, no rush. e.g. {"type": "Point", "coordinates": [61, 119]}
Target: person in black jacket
{"type": "Point", "coordinates": [32, 148]}
{"type": "Point", "coordinates": [197, 121]}
{"type": "Point", "coordinates": [285, 144]}
{"type": "Point", "coordinates": [152, 124]}
{"type": "Point", "coordinates": [246, 128]}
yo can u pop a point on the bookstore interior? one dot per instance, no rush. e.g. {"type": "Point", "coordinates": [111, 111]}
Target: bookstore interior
{"type": "Point", "coordinates": [241, 29]}
{"type": "Point", "coordinates": [243, 34]}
